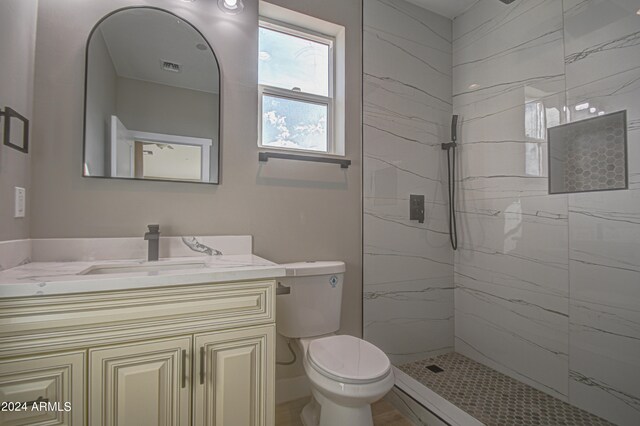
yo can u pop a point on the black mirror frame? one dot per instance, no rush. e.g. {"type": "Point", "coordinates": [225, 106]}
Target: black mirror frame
{"type": "Point", "coordinates": [86, 78]}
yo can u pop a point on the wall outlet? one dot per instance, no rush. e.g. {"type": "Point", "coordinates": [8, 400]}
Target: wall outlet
{"type": "Point", "coordinates": [20, 202]}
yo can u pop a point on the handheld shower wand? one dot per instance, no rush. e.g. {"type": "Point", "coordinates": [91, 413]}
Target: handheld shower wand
{"type": "Point", "coordinates": [454, 134]}
{"type": "Point", "coordinates": [454, 128]}
{"type": "Point", "coordinates": [451, 184]}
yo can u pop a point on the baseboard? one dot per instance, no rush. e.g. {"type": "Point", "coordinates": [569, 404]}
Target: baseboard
{"type": "Point", "coordinates": [292, 388]}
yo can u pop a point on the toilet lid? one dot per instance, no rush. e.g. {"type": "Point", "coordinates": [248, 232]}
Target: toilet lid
{"type": "Point", "coordinates": [347, 358]}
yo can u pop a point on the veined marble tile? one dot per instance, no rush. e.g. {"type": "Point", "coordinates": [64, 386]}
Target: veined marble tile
{"type": "Point", "coordinates": [416, 75]}
{"type": "Point", "coordinates": [511, 268]}
{"type": "Point", "coordinates": [507, 59]}
{"type": "Point", "coordinates": [397, 32]}
{"type": "Point", "coordinates": [495, 46]}
{"type": "Point", "coordinates": [503, 149]}
{"type": "Point", "coordinates": [604, 359]}
{"type": "Point", "coordinates": [547, 287]}
{"type": "Point", "coordinates": [410, 319]}
{"type": "Point", "coordinates": [597, 34]}
{"type": "Point", "coordinates": [605, 304]}
{"type": "Point", "coordinates": [413, 161]}
{"type": "Point", "coordinates": [501, 187]}
{"type": "Point", "coordinates": [602, 39]}
{"type": "Point", "coordinates": [393, 117]}
{"type": "Point", "coordinates": [404, 236]}
{"type": "Point", "coordinates": [397, 209]}
{"type": "Point", "coordinates": [513, 337]}
{"type": "Point", "coordinates": [408, 266]}
{"type": "Point", "coordinates": [511, 298]}
{"type": "Point", "coordinates": [618, 91]}
{"type": "Point", "coordinates": [531, 230]}
{"type": "Point", "coordinates": [413, 24]}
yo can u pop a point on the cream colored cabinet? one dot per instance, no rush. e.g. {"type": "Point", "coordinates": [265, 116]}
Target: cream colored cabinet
{"type": "Point", "coordinates": [141, 384]}
{"type": "Point", "coordinates": [235, 385]}
{"type": "Point", "coordinates": [43, 390]}
{"type": "Point", "coordinates": [200, 354]}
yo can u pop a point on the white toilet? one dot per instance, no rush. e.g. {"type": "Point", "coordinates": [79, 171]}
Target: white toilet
{"type": "Point", "coordinates": [346, 374]}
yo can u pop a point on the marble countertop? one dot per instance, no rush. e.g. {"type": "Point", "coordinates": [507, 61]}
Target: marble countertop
{"type": "Point", "coordinates": [50, 278]}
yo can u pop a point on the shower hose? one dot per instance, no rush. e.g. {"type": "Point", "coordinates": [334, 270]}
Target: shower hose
{"type": "Point", "coordinates": [451, 174]}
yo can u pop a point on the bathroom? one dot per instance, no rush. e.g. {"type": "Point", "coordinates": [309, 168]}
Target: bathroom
{"type": "Point", "coordinates": [491, 280]}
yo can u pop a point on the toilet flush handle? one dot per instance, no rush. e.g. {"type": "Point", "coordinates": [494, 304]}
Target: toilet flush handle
{"type": "Point", "coordinates": [282, 289]}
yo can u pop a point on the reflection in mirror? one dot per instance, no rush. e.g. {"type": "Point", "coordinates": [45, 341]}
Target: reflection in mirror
{"type": "Point", "coordinates": [152, 99]}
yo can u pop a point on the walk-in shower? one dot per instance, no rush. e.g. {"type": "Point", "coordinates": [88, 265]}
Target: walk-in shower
{"type": "Point", "coordinates": [534, 318]}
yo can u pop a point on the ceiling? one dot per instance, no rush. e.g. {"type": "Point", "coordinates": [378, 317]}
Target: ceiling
{"type": "Point", "coordinates": [448, 8]}
{"type": "Point", "coordinates": [139, 39]}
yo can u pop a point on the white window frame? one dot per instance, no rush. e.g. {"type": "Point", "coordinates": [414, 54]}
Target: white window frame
{"type": "Point", "coordinates": [335, 137]}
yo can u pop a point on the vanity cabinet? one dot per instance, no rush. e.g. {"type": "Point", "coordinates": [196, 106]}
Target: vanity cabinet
{"type": "Point", "coordinates": [142, 383]}
{"type": "Point", "coordinates": [234, 383]}
{"type": "Point", "coordinates": [49, 382]}
{"type": "Point", "coordinates": [196, 354]}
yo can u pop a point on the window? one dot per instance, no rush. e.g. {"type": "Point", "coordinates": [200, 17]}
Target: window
{"type": "Point", "coordinates": [300, 97]}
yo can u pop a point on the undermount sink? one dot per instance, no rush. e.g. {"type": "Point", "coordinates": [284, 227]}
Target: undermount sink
{"type": "Point", "coordinates": [142, 267]}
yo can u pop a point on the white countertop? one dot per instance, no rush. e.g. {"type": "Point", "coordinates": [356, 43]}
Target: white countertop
{"type": "Point", "coordinates": [50, 278]}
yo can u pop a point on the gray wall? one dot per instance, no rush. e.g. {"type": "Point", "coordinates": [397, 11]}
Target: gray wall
{"type": "Point", "coordinates": [151, 107]}
{"type": "Point", "coordinates": [17, 47]}
{"type": "Point", "coordinates": [102, 92]}
{"type": "Point", "coordinates": [295, 211]}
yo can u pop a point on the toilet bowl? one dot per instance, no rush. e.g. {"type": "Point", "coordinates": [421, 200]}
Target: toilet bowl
{"type": "Point", "coordinates": [346, 374]}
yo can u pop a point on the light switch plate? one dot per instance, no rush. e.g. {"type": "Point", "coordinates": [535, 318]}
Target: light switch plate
{"type": "Point", "coordinates": [20, 202]}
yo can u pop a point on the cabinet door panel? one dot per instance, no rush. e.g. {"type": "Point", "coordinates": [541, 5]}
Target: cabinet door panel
{"type": "Point", "coordinates": [54, 382]}
{"type": "Point", "coordinates": [238, 385]}
{"type": "Point", "coordinates": [140, 384]}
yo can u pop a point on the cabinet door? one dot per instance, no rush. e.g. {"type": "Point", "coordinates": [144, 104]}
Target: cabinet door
{"type": "Point", "coordinates": [54, 383]}
{"type": "Point", "coordinates": [235, 384]}
{"type": "Point", "coordinates": [140, 384]}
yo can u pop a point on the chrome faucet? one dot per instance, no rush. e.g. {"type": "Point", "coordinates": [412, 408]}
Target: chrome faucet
{"type": "Point", "coordinates": [153, 236]}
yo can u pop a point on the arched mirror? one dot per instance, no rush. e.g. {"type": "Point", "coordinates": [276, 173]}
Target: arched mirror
{"type": "Point", "coordinates": [152, 99]}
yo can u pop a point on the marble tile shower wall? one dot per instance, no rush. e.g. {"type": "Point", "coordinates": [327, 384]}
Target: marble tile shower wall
{"type": "Point", "coordinates": [602, 42]}
{"type": "Point", "coordinates": [548, 286]}
{"type": "Point", "coordinates": [408, 267]}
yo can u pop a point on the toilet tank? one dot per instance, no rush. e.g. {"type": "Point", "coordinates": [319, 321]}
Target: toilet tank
{"type": "Point", "coordinates": [312, 308]}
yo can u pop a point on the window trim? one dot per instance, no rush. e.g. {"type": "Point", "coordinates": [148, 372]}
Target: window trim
{"type": "Point", "coordinates": [329, 101]}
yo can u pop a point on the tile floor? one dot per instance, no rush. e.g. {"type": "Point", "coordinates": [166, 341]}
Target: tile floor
{"type": "Point", "coordinates": [288, 414]}
{"type": "Point", "coordinates": [494, 398]}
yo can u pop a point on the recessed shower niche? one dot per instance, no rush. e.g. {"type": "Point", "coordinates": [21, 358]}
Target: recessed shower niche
{"type": "Point", "coordinates": [589, 155]}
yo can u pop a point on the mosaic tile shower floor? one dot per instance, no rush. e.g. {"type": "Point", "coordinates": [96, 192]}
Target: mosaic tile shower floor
{"type": "Point", "coordinates": [494, 398]}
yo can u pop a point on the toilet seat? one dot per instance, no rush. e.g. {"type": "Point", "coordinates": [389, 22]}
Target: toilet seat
{"type": "Point", "coordinates": [348, 359]}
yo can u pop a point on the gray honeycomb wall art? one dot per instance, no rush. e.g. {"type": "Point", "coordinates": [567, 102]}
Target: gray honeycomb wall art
{"type": "Point", "coordinates": [589, 155]}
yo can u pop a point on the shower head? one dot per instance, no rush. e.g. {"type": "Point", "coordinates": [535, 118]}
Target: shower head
{"type": "Point", "coordinates": [507, 1]}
